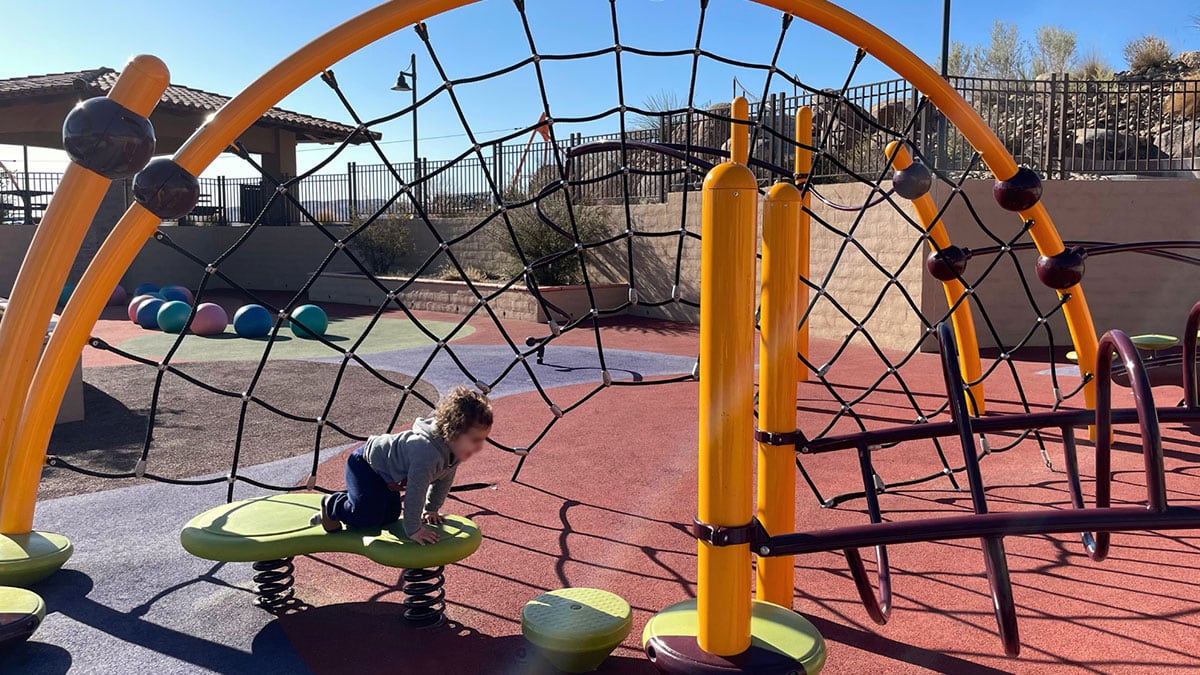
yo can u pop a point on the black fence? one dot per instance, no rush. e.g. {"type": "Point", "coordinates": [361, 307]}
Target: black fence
{"type": "Point", "coordinates": [1060, 127]}
{"type": "Point", "coordinates": [23, 196]}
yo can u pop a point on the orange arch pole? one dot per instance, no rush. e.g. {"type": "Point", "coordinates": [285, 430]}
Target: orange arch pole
{"type": "Point", "coordinates": [25, 459]}
{"type": "Point", "coordinates": [960, 316]}
{"type": "Point", "coordinates": [974, 129]}
{"type": "Point", "coordinates": [49, 259]}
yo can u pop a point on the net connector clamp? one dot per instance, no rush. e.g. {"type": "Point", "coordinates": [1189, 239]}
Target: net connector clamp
{"type": "Point", "coordinates": [781, 437]}
{"type": "Point", "coordinates": [751, 533]}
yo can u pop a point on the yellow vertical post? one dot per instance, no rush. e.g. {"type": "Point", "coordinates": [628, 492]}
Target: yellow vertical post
{"type": "Point", "coordinates": [960, 316]}
{"type": "Point", "coordinates": [729, 228]}
{"type": "Point", "coordinates": [777, 366]}
{"type": "Point", "coordinates": [802, 169]}
{"type": "Point", "coordinates": [51, 253]}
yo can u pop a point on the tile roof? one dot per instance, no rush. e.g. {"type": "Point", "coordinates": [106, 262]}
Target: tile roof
{"type": "Point", "coordinates": [98, 81]}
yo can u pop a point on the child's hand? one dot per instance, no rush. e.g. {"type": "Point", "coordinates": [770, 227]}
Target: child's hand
{"type": "Point", "coordinates": [425, 536]}
{"type": "Point", "coordinates": [432, 518]}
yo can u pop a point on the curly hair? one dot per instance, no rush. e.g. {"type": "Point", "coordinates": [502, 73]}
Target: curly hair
{"type": "Point", "coordinates": [461, 410]}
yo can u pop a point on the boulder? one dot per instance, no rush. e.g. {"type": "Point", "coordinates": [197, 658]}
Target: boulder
{"type": "Point", "coordinates": [892, 114]}
{"type": "Point", "coordinates": [1110, 145]}
{"type": "Point", "coordinates": [1180, 140]}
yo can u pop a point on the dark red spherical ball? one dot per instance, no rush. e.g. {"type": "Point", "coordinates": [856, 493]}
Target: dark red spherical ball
{"type": "Point", "coordinates": [948, 263]}
{"type": "Point", "coordinates": [166, 189]}
{"type": "Point", "coordinates": [913, 181]}
{"type": "Point", "coordinates": [1064, 270]}
{"type": "Point", "coordinates": [1020, 192]}
{"type": "Point", "coordinates": [108, 138]}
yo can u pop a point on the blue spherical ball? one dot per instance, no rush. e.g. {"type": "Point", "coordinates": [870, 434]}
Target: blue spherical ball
{"type": "Point", "coordinates": [252, 321]}
{"type": "Point", "coordinates": [147, 313]}
{"type": "Point", "coordinates": [65, 294]}
{"type": "Point", "coordinates": [309, 322]}
{"type": "Point", "coordinates": [172, 316]}
{"type": "Point", "coordinates": [173, 292]}
{"type": "Point", "coordinates": [145, 289]}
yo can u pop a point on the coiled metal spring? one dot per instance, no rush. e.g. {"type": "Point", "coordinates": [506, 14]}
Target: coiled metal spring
{"type": "Point", "coordinates": [273, 583]}
{"type": "Point", "coordinates": [424, 601]}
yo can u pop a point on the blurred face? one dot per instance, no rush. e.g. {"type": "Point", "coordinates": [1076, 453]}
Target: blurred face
{"type": "Point", "coordinates": [467, 443]}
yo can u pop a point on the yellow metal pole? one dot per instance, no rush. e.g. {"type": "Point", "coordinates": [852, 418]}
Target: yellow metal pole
{"type": "Point", "coordinates": [803, 167]}
{"type": "Point", "coordinates": [777, 366]}
{"type": "Point", "coordinates": [127, 238]}
{"type": "Point", "coordinates": [729, 229]}
{"type": "Point", "coordinates": [972, 126]}
{"type": "Point", "coordinates": [960, 316]}
{"type": "Point", "coordinates": [49, 259]}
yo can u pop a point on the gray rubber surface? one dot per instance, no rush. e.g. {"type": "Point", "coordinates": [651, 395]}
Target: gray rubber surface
{"type": "Point", "coordinates": [131, 600]}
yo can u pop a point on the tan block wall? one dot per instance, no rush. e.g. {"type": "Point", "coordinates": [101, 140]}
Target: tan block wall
{"type": "Point", "coordinates": [843, 266]}
{"type": "Point", "coordinates": [454, 297]}
{"type": "Point", "coordinates": [855, 285]}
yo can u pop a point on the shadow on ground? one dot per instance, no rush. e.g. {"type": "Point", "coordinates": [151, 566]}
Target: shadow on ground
{"type": "Point", "coordinates": [394, 646]}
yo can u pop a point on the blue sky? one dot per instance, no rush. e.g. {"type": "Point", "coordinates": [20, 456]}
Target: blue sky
{"type": "Point", "coordinates": [222, 45]}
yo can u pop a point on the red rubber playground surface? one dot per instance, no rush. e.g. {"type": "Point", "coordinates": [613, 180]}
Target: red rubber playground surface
{"type": "Point", "coordinates": [604, 500]}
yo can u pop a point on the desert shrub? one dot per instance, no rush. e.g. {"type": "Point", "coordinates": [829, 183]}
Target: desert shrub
{"type": "Point", "coordinates": [1006, 56]}
{"type": "Point", "coordinates": [538, 240]}
{"type": "Point", "coordinates": [1093, 68]}
{"type": "Point", "coordinates": [1146, 52]}
{"type": "Point", "coordinates": [1053, 50]}
{"type": "Point", "coordinates": [383, 242]}
{"type": "Point", "coordinates": [450, 273]}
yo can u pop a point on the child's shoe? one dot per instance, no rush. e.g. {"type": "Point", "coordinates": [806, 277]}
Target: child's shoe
{"type": "Point", "coordinates": [323, 518]}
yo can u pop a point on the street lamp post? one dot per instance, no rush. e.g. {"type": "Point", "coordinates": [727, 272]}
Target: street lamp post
{"type": "Point", "coordinates": [403, 85]}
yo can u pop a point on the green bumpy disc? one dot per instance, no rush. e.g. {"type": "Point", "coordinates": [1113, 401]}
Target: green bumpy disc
{"type": "Point", "coordinates": [21, 612]}
{"type": "Point", "coordinates": [781, 641]}
{"type": "Point", "coordinates": [28, 558]}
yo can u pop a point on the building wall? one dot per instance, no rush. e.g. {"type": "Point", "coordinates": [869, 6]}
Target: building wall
{"type": "Point", "coordinates": [274, 258]}
{"type": "Point", "coordinates": [15, 242]}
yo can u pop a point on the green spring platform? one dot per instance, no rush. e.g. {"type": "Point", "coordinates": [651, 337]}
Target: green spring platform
{"type": "Point", "coordinates": [270, 531]}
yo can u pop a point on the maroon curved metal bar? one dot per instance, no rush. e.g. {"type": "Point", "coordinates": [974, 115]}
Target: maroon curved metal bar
{"type": "Point", "coordinates": [994, 559]}
{"type": "Point", "coordinates": [996, 563]}
{"type": "Point", "coordinates": [1073, 483]}
{"type": "Point", "coordinates": [879, 607]}
{"type": "Point", "coordinates": [1189, 357]}
{"type": "Point", "coordinates": [992, 527]}
{"type": "Point", "coordinates": [1143, 401]}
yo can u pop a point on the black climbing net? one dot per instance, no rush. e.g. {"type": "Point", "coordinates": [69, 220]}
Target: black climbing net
{"type": "Point", "coordinates": [623, 207]}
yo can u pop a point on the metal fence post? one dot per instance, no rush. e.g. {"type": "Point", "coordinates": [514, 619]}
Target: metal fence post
{"type": "Point", "coordinates": [1062, 126]}
{"type": "Point", "coordinates": [418, 172]}
{"type": "Point", "coordinates": [498, 169]}
{"type": "Point", "coordinates": [1049, 157]}
{"type": "Point", "coordinates": [352, 191]}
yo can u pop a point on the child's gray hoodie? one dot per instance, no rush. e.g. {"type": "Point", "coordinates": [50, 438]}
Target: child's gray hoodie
{"type": "Point", "coordinates": [420, 462]}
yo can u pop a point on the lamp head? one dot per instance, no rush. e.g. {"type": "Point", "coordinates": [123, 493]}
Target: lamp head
{"type": "Point", "coordinates": [401, 83]}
